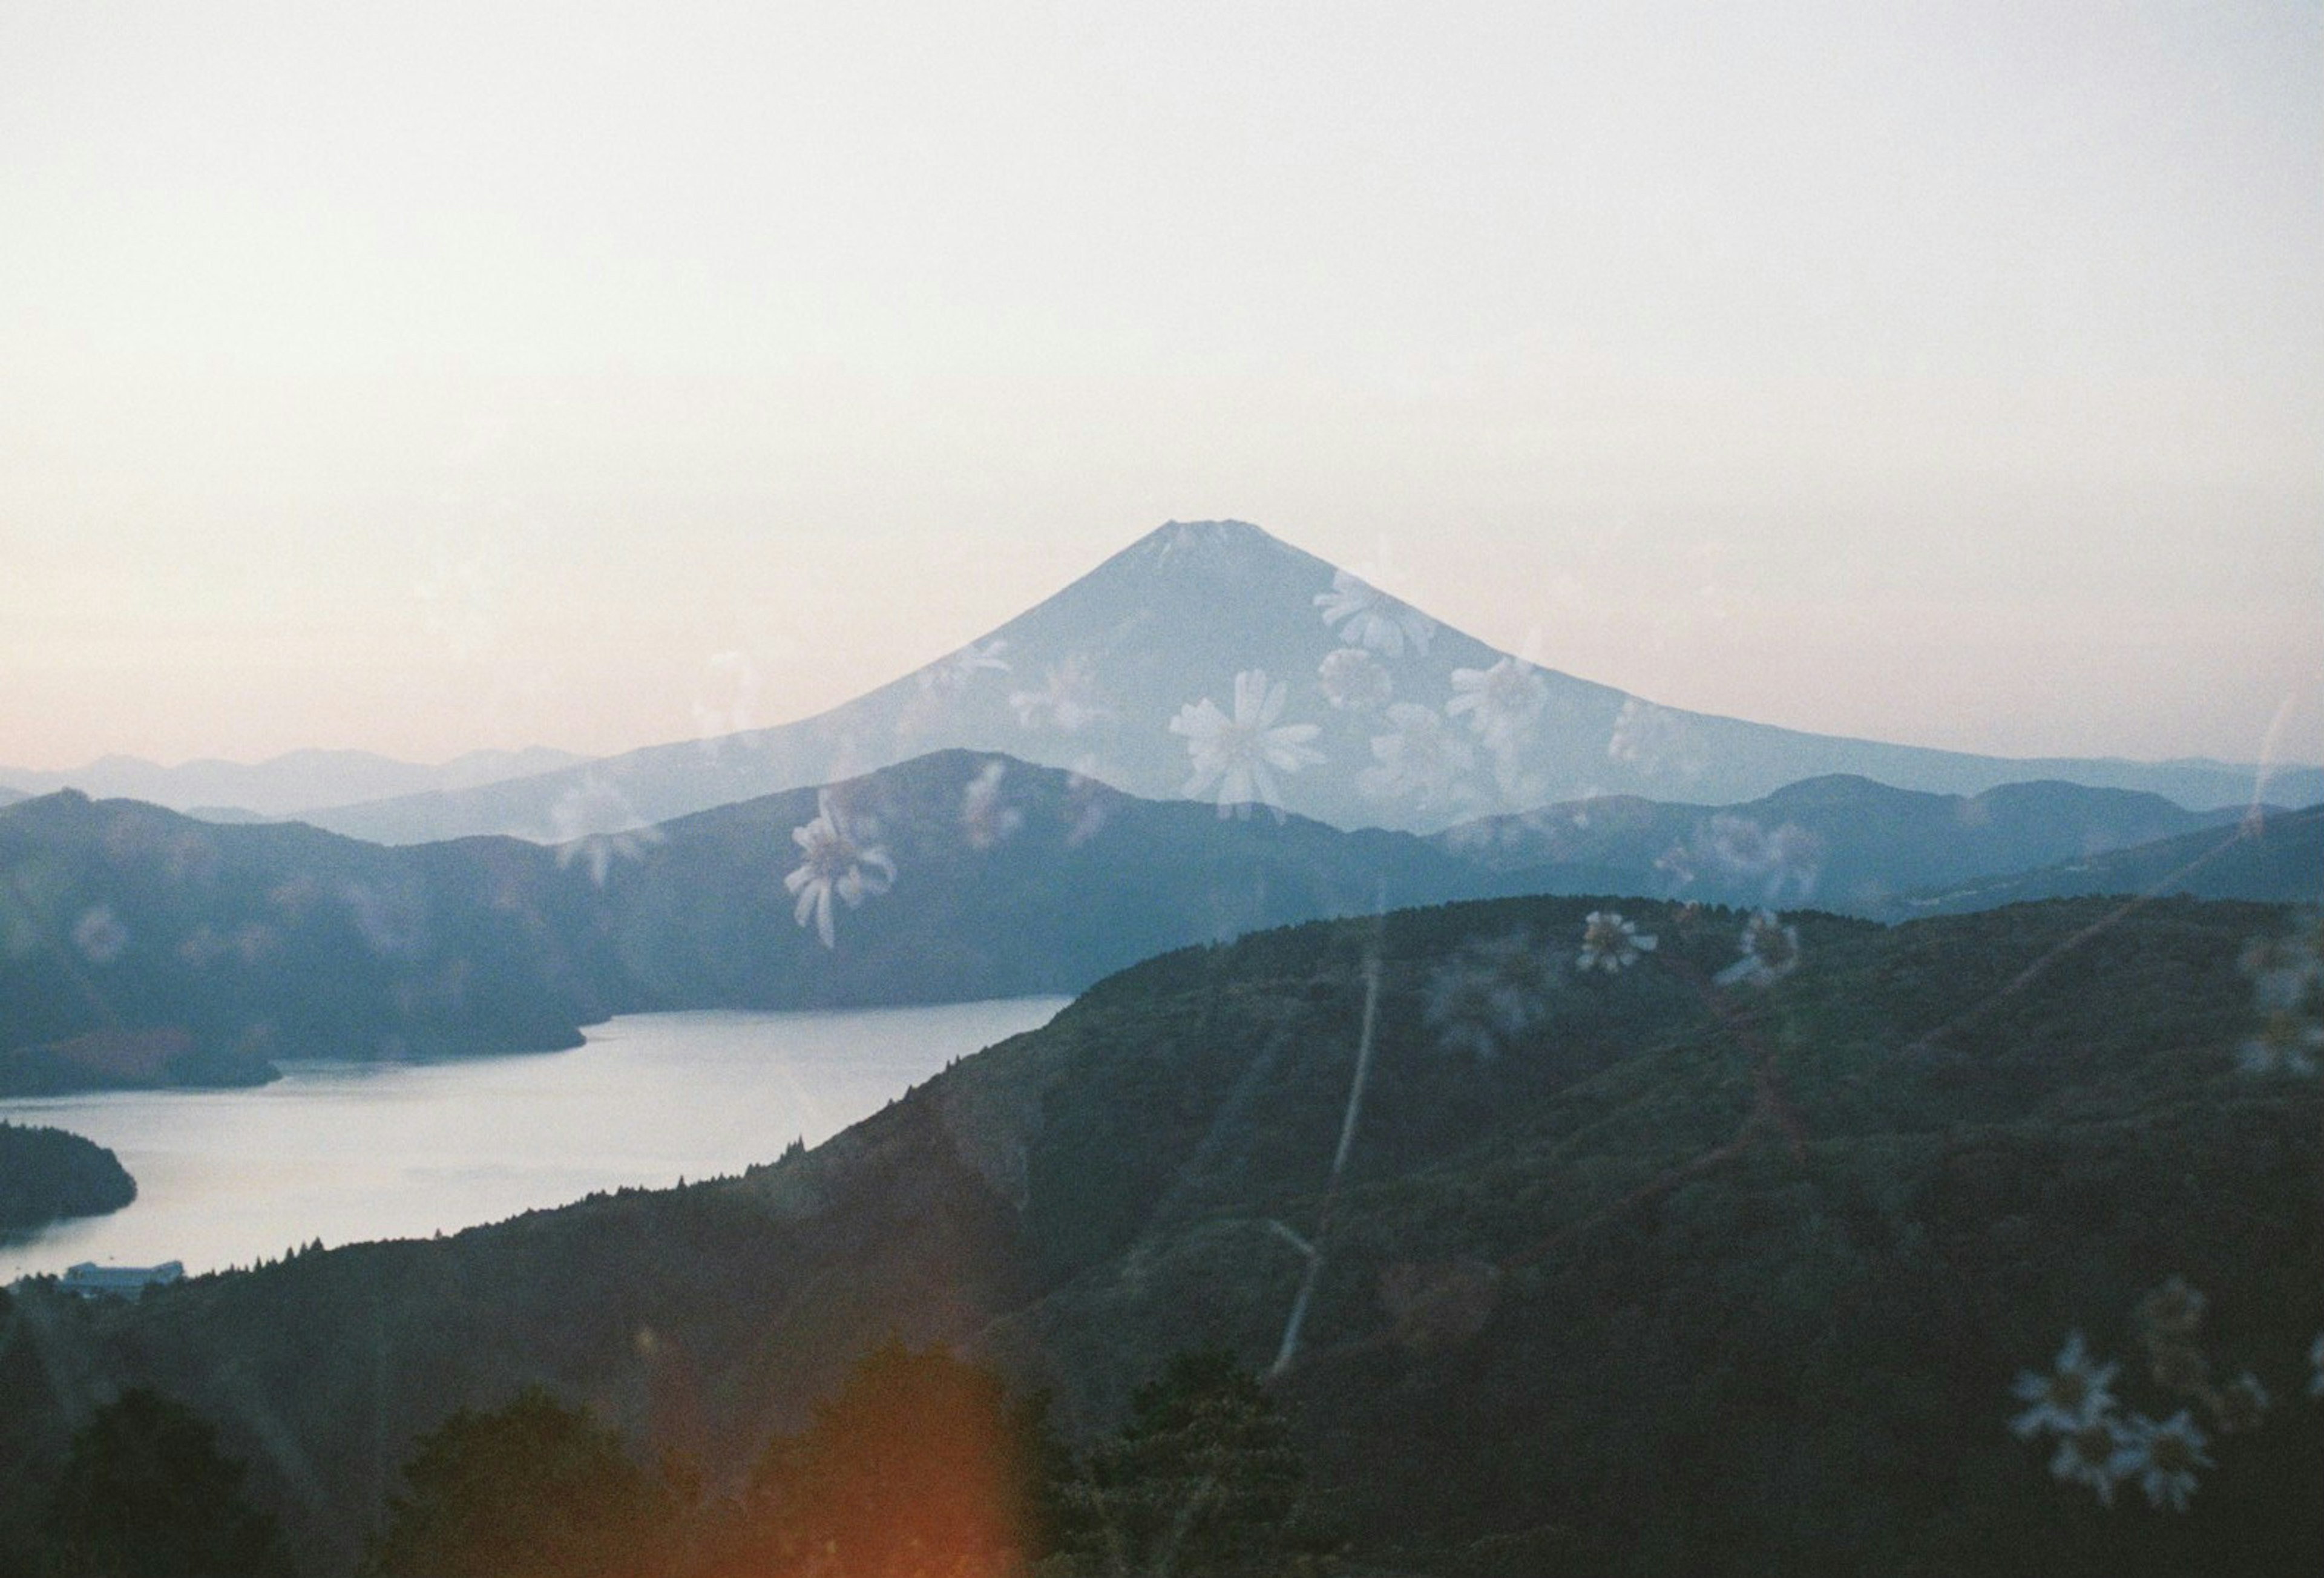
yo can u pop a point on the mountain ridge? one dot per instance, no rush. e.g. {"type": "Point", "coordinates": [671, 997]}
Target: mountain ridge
{"type": "Point", "coordinates": [1099, 677]}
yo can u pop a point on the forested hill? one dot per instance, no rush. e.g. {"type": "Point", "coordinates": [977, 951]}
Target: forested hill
{"type": "Point", "coordinates": [1637, 1270]}
{"type": "Point", "coordinates": [47, 1175]}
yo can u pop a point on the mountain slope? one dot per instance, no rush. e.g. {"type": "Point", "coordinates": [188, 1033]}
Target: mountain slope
{"type": "Point", "coordinates": [1842, 844]}
{"type": "Point", "coordinates": [1094, 677]}
{"type": "Point", "coordinates": [284, 785]}
{"type": "Point", "coordinates": [1658, 1283]}
{"type": "Point", "coordinates": [2277, 857]}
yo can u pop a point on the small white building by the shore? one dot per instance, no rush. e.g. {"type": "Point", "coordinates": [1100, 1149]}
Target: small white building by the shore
{"type": "Point", "coordinates": [88, 1279]}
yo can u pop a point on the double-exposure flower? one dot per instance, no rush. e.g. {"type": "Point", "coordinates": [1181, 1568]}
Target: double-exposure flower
{"type": "Point", "coordinates": [1067, 700]}
{"type": "Point", "coordinates": [834, 859]}
{"type": "Point", "coordinates": [1610, 943]}
{"type": "Point", "coordinates": [2285, 1043]}
{"type": "Point", "coordinates": [1420, 759]}
{"type": "Point", "coordinates": [1238, 755]}
{"type": "Point", "coordinates": [958, 670]}
{"type": "Point", "coordinates": [2072, 1395]}
{"type": "Point", "coordinates": [1364, 616]}
{"type": "Point", "coordinates": [595, 824]}
{"type": "Point", "coordinates": [2093, 1455]}
{"type": "Point", "coordinates": [1500, 703]}
{"type": "Point", "coordinates": [2162, 1458]}
{"type": "Point", "coordinates": [1353, 680]}
{"type": "Point", "coordinates": [985, 818]}
{"type": "Point", "coordinates": [1771, 951]}
{"type": "Point", "coordinates": [1490, 992]}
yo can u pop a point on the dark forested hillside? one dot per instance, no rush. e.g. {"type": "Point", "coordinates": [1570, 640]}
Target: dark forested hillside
{"type": "Point", "coordinates": [47, 1175]}
{"type": "Point", "coordinates": [1706, 1263]}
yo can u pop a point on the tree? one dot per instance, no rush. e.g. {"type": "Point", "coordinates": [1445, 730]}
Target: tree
{"type": "Point", "coordinates": [145, 1494]}
{"type": "Point", "coordinates": [921, 1466]}
{"type": "Point", "coordinates": [1203, 1481]}
{"type": "Point", "coordinates": [533, 1490]}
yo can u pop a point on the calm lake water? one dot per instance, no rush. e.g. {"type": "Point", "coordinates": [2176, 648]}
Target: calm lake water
{"type": "Point", "coordinates": [344, 1152]}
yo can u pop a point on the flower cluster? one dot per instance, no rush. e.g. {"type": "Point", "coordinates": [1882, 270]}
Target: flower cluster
{"type": "Point", "coordinates": [1490, 992]}
{"type": "Point", "coordinates": [2100, 1447]}
{"type": "Point", "coordinates": [2287, 978]}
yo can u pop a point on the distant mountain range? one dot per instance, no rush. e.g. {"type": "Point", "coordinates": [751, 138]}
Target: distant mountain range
{"type": "Point", "coordinates": [282, 785]}
{"type": "Point", "coordinates": [1384, 717]}
{"type": "Point", "coordinates": [147, 947]}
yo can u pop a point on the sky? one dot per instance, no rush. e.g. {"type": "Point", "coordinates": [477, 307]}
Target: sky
{"type": "Point", "coordinates": [424, 377]}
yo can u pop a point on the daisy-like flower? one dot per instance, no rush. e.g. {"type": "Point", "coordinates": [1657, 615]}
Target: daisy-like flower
{"type": "Point", "coordinates": [1771, 951]}
{"type": "Point", "coordinates": [2286, 1043]}
{"type": "Point", "coordinates": [1490, 993]}
{"type": "Point", "coordinates": [2282, 970]}
{"type": "Point", "coordinates": [1353, 680]}
{"type": "Point", "coordinates": [957, 671]}
{"type": "Point", "coordinates": [2072, 1395]}
{"type": "Point", "coordinates": [100, 935]}
{"type": "Point", "coordinates": [2240, 1405]}
{"type": "Point", "coordinates": [834, 861]}
{"type": "Point", "coordinates": [985, 820]}
{"type": "Point", "coordinates": [1240, 755]}
{"type": "Point", "coordinates": [1501, 702]}
{"type": "Point", "coordinates": [2093, 1455]}
{"type": "Point", "coordinates": [2173, 1310]}
{"type": "Point", "coordinates": [1364, 616]}
{"type": "Point", "coordinates": [1609, 942]}
{"type": "Point", "coordinates": [595, 824]}
{"type": "Point", "coordinates": [1068, 700]}
{"type": "Point", "coordinates": [2162, 1458]}
{"type": "Point", "coordinates": [1420, 762]}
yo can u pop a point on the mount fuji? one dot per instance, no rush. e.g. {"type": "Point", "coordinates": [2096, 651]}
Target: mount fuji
{"type": "Point", "coordinates": [1211, 659]}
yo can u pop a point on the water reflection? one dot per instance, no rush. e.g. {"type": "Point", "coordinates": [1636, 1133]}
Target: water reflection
{"type": "Point", "coordinates": [344, 1152]}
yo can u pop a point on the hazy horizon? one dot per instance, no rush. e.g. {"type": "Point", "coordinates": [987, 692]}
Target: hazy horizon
{"type": "Point", "coordinates": [436, 381]}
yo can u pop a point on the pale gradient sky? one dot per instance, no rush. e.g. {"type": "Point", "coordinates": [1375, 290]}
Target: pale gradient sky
{"type": "Point", "coordinates": [422, 377]}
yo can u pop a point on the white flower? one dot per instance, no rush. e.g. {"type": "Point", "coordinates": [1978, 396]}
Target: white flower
{"type": "Point", "coordinates": [832, 861]}
{"type": "Point", "coordinates": [1741, 849]}
{"type": "Point", "coordinates": [2282, 970]}
{"type": "Point", "coordinates": [1419, 762]}
{"type": "Point", "coordinates": [2162, 1458]}
{"type": "Point", "coordinates": [2287, 1043]}
{"type": "Point", "coordinates": [1242, 753]}
{"type": "Point", "coordinates": [1353, 680]}
{"type": "Point", "coordinates": [2092, 1455]}
{"type": "Point", "coordinates": [595, 823]}
{"type": "Point", "coordinates": [985, 819]}
{"type": "Point", "coordinates": [1501, 702]}
{"type": "Point", "coordinates": [1372, 618]}
{"type": "Point", "coordinates": [100, 935]}
{"type": "Point", "coordinates": [2070, 1395]}
{"type": "Point", "coordinates": [1489, 993]}
{"type": "Point", "coordinates": [958, 670]}
{"type": "Point", "coordinates": [1771, 951]}
{"type": "Point", "coordinates": [1609, 942]}
{"type": "Point", "coordinates": [1067, 701]}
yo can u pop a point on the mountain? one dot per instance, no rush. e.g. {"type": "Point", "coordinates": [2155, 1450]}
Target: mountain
{"type": "Point", "coordinates": [146, 948]}
{"type": "Point", "coordinates": [2276, 856]}
{"type": "Point", "coordinates": [1098, 679]}
{"type": "Point", "coordinates": [150, 949]}
{"type": "Point", "coordinates": [1631, 1276]}
{"type": "Point", "coordinates": [284, 785]}
{"type": "Point", "coordinates": [1838, 842]}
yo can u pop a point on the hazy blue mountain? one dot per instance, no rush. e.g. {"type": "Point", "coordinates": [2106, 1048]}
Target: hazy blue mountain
{"type": "Point", "coordinates": [9, 797]}
{"type": "Point", "coordinates": [1838, 842]}
{"type": "Point", "coordinates": [2276, 856]}
{"type": "Point", "coordinates": [150, 948]}
{"type": "Point", "coordinates": [146, 948]}
{"type": "Point", "coordinates": [282, 785]}
{"type": "Point", "coordinates": [1591, 1299]}
{"type": "Point", "coordinates": [1092, 677]}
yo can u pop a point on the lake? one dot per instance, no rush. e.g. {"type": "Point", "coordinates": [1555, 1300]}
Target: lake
{"type": "Point", "coordinates": [352, 1152]}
